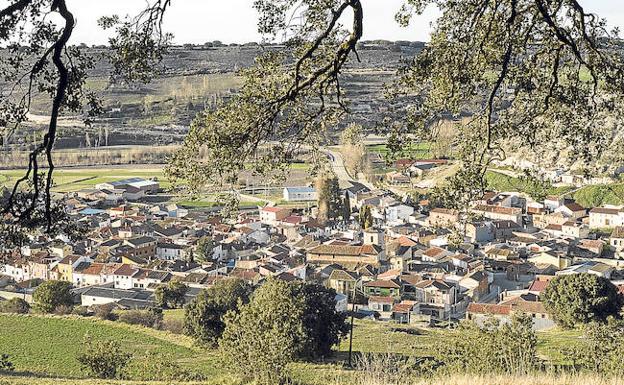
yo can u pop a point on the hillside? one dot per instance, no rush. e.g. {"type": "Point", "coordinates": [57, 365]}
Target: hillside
{"type": "Point", "coordinates": [193, 79]}
{"type": "Point", "coordinates": [46, 346]}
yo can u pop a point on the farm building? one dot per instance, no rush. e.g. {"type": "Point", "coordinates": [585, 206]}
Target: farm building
{"type": "Point", "coordinates": [135, 184]}
{"type": "Point", "coordinates": [299, 194]}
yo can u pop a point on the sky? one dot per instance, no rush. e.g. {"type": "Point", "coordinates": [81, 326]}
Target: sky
{"type": "Point", "coordinates": [234, 21]}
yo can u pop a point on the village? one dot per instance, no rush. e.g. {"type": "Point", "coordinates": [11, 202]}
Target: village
{"type": "Point", "coordinates": [402, 265]}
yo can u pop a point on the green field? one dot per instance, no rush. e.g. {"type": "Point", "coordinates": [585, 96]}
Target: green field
{"type": "Point", "coordinates": [44, 346]}
{"type": "Point", "coordinates": [600, 195]}
{"type": "Point", "coordinates": [48, 346]}
{"type": "Point", "coordinates": [413, 150]}
{"type": "Point", "coordinates": [587, 196]}
{"type": "Point", "coordinates": [66, 180]}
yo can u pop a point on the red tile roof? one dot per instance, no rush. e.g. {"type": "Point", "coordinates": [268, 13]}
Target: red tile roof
{"type": "Point", "coordinates": [488, 308]}
{"type": "Point", "coordinates": [380, 299]}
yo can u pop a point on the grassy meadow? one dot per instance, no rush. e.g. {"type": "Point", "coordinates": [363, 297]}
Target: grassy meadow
{"type": "Point", "coordinates": [587, 196]}
{"type": "Point", "coordinates": [46, 346]}
{"type": "Point", "coordinates": [70, 179]}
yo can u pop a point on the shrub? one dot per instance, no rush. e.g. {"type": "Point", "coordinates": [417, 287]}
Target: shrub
{"type": "Point", "coordinates": [15, 305]}
{"type": "Point", "coordinates": [158, 367]}
{"type": "Point", "coordinates": [175, 326]}
{"type": "Point", "coordinates": [105, 311]}
{"type": "Point", "coordinates": [601, 350]}
{"type": "Point", "coordinates": [510, 348]}
{"type": "Point", "coordinates": [103, 359]}
{"type": "Point", "coordinates": [5, 364]}
{"type": "Point", "coordinates": [52, 294]}
{"type": "Point", "coordinates": [82, 311]}
{"type": "Point", "coordinates": [148, 318]}
{"type": "Point", "coordinates": [63, 309]}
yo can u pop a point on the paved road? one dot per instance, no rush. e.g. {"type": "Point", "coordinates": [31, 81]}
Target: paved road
{"type": "Point", "coordinates": [338, 166]}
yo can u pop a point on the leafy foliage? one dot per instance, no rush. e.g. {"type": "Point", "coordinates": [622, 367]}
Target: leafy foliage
{"type": "Point", "coordinates": [15, 305]}
{"type": "Point", "coordinates": [203, 317]}
{"type": "Point", "coordinates": [5, 364]}
{"type": "Point", "coordinates": [329, 200]}
{"type": "Point", "coordinates": [149, 318]}
{"type": "Point", "coordinates": [171, 295]}
{"type": "Point", "coordinates": [324, 327]}
{"type": "Point", "coordinates": [282, 322]}
{"type": "Point", "coordinates": [602, 349]}
{"type": "Point", "coordinates": [204, 248]}
{"type": "Point", "coordinates": [581, 298]}
{"type": "Point", "coordinates": [103, 359]}
{"type": "Point", "coordinates": [162, 367]}
{"type": "Point", "coordinates": [366, 217]}
{"type": "Point", "coordinates": [508, 348]}
{"type": "Point", "coordinates": [265, 335]}
{"type": "Point", "coordinates": [51, 295]}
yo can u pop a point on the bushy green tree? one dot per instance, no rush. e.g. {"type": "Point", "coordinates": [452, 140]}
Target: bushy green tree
{"type": "Point", "coordinates": [266, 334]}
{"type": "Point", "coordinates": [103, 359]}
{"type": "Point", "coordinates": [15, 305]}
{"type": "Point", "coordinates": [324, 327]}
{"type": "Point", "coordinates": [204, 247]}
{"type": "Point", "coordinates": [581, 298]}
{"type": "Point", "coordinates": [51, 295]}
{"type": "Point", "coordinates": [329, 200]}
{"type": "Point", "coordinates": [203, 317]}
{"type": "Point", "coordinates": [171, 295]}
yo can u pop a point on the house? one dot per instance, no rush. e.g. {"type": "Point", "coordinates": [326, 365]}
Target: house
{"type": "Point", "coordinates": [143, 247]}
{"type": "Point", "coordinates": [575, 230]}
{"type": "Point", "coordinates": [346, 255]}
{"type": "Point", "coordinates": [441, 217]}
{"type": "Point", "coordinates": [513, 214]}
{"type": "Point", "coordinates": [387, 288]}
{"type": "Point", "coordinates": [272, 215]}
{"type": "Point", "coordinates": [64, 269]}
{"type": "Point", "coordinates": [435, 254]}
{"type": "Point", "coordinates": [475, 284]}
{"type": "Point", "coordinates": [60, 249]}
{"type": "Point", "coordinates": [299, 194]}
{"type": "Point", "coordinates": [343, 281]}
{"type": "Point", "coordinates": [171, 251]}
{"type": "Point", "coordinates": [604, 217]}
{"type": "Point", "coordinates": [591, 267]}
{"type": "Point", "coordinates": [400, 252]}
{"type": "Point", "coordinates": [481, 312]}
{"type": "Point", "coordinates": [572, 210]}
{"type": "Point", "coordinates": [404, 311]}
{"type": "Point", "coordinates": [98, 295]}
{"type": "Point", "coordinates": [553, 202]}
{"type": "Point", "coordinates": [435, 297]}
{"type": "Point", "coordinates": [398, 213]}
{"type": "Point", "coordinates": [382, 305]}
{"type": "Point", "coordinates": [479, 231]}
{"type": "Point", "coordinates": [398, 179]}
{"type": "Point", "coordinates": [93, 274]}
{"type": "Point", "coordinates": [140, 184]}
{"type": "Point", "coordinates": [617, 238]}
{"type": "Point", "coordinates": [124, 275]}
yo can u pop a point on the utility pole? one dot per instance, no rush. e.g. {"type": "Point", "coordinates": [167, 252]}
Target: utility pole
{"type": "Point", "coordinates": [351, 327]}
